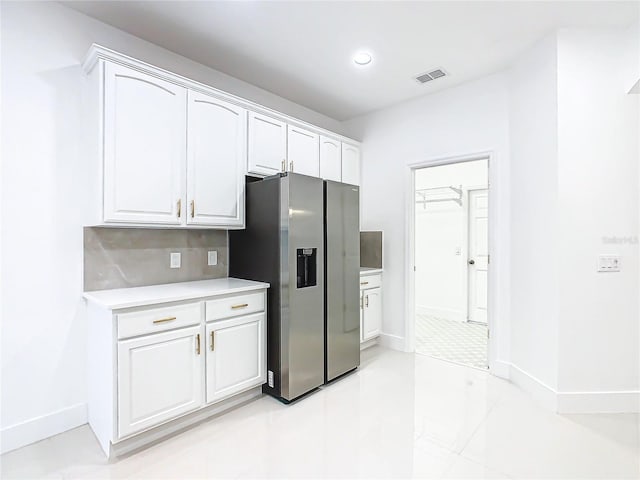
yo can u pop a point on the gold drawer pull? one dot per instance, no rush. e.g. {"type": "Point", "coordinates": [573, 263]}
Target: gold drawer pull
{"type": "Point", "coordinates": [213, 340]}
{"type": "Point", "coordinates": [198, 344]}
{"type": "Point", "coordinates": [241, 305]}
{"type": "Point", "coordinates": [364, 283]}
{"type": "Point", "coordinates": [163, 320]}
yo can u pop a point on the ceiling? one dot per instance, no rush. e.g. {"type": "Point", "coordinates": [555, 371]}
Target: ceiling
{"type": "Point", "coordinates": [302, 50]}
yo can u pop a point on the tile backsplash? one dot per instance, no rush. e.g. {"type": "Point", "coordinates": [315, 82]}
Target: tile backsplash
{"type": "Point", "coordinates": [371, 249]}
{"type": "Point", "coordinates": [132, 257]}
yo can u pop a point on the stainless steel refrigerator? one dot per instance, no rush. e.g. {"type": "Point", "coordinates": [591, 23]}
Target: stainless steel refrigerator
{"type": "Point", "coordinates": [302, 236]}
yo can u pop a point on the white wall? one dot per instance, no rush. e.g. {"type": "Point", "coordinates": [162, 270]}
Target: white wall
{"type": "Point", "coordinates": [43, 330]}
{"type": "Point", "coordinates": [534, 236]}
{"type": "Point", "coordinates": [464, 120]}
{"type": "Point", "coordinates": [440, 232]}
{"type": "Point", "coordinates": [598, 160]}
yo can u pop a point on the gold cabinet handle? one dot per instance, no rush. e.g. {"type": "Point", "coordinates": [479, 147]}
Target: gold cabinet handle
{"type": "Point", "coordinates": [291, 166]}
{"type": "Point", "coordinates": [193, 208]}
{"type": "Point", "coordinates": [198, 344]}
{"type": "Point", "coordinates": [364, 283]}
{"type": "Point", "coordinates": [284, 165]}
{"type": "Point", "coordinates": [366, 301]}
{"type": "Point", "coordinates": [213, 340]}
{"type": "Point", "coordinates": [163, 320]}
{"type": "Point", "coordinates": [179, 207]}
{"type": "Point", "coordinates": [241, 305]}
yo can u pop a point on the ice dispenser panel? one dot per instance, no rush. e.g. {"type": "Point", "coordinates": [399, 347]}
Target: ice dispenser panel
{"type": "Point", "coordinates": [306, 273]}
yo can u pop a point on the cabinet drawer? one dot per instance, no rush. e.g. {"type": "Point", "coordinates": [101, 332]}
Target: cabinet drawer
{"type": "Point", "coordinates": [234, 305]}
{"type": "Point", "coordinates": [154, 320]}
{"type": "Point", "coordinates": [370, 281]}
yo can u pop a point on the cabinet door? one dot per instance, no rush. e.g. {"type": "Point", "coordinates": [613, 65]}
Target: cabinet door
{"type": "Point", "coordinates": [160, 377]}
{"type": "Point", "coordinates": [144, 147]}
{"type": "Point", "coordinates": [216, 159]}
{"type": "Point", "coordinates": [303, 151]}
{"type": "Point", "coordinates": [267, 145]}
{"type": "Point", "coordinates": [330, 159]}
{"type": "Point", "coordinates": [350, 164]}
{"type": "Point", "coordinates": [372, 319]}
{"type": "Point", "coordinates": [236, 355]}
{"type": "Point", "coordinates": [361, 316]}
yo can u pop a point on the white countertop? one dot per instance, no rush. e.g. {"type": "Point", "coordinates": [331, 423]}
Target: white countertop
{"type": "Point", "coordinates": [170, 292]}
{"type": "Point", "coordinates": [369, 271]}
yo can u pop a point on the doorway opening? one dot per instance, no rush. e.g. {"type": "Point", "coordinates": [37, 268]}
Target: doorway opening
{"type": "Point", "coordinates": [451, 242]}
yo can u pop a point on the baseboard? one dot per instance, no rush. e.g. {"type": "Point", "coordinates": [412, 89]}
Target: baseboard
{"type": "Point", "coordinates": [599, 402]}
{"type": "Point", "coordinates": [445, 313]}
{"type": "Point", "coordinates": [394, 342]}
{"type": "Point", "coordinates": [39, 428]}
{"type": "Point", "coordinates": [535, 387]}
{"type": "Point", "coordinates": [500, 368]}
{"type": "Point", "coordinates": [369, 343]}
{"type": "Point", "coordinates": [627, 401]}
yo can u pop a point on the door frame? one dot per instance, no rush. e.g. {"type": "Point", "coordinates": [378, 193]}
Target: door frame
{"type": "Point", "coordinates": [410, 276]}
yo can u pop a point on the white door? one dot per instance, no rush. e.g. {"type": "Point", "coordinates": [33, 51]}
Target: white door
{"type": "Point", "coordinates": [160, 377]}
{"type": "Point", "coordinates": [216, 156]}
{"type": "Point", "coordinates": [236, 355]}
{"type": "Point", "coordinates": [303, 151]}
{"type": "Point", "coordinates": [144, 147]}
{"type": "Point", "coordinates": [350, 164]}
{"type": "Point", "coordinates": [478, 255]}
{"type": "Point", "coordinates": [267, 145]}
{"type": "Point", "coordinates": [330, 159]}
{"type": "Point", "coordinates": [372, 317]}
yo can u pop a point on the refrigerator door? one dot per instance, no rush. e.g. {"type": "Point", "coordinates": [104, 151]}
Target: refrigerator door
{"type": "Point", "coordinates": [342, 237]}
{"type": "Point", "coordinates": [302, 285]}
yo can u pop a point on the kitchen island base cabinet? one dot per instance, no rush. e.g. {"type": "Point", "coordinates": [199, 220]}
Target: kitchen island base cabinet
{"type": "Point", "coordinates": [159, 378]}
{"type": "Point", "coordinates": [236, 356]}
{"type": "Point", "coordinates": [156, 365]}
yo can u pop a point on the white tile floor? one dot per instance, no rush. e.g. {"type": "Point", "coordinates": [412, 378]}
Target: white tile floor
{"type": "Point", "coordinates": [459, 342]}
{"type": "Point", "coordinates": [400, 415]}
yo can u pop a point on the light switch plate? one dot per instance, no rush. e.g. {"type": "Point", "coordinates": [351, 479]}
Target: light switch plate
{"type": "Point", "coordinates": [175, 260]}
{"type": "Point", "coordinates": [609, 263]}
{"type": "Point", "coordinates": [212, 257]}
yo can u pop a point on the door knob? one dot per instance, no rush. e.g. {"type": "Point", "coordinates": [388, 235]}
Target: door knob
{"type": "Point", "coordinates": [472, 262]}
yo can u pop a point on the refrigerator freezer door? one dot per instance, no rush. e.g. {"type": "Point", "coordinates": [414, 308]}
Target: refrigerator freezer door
{"type": "Point", "coordinates": [302, 312]}
{"type": "Point", "coordinates": [342, 230]}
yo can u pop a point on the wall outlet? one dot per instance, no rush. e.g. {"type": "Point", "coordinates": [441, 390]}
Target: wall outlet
{"type": "Point", "coordinates": [609, 263]}
{"type": "Point", "coordinates": [175, 260]}
{"type": "Point", "coordinates": [212, 257]}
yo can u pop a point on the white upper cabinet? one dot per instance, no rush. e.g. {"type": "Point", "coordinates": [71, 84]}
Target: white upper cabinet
{"type": "Point", "coordinates": [350, 164]}
{"type": "Point", "coordinates": [172, 152]}
{"type": "Point", "coordinates": [144, 147]}
{"type": "Point", "coordinates": [216, 156]}
{"type": "Point", "coordinates": [303, 151]}
{"type": "Point", "coordinates": [267, 145]}
{"type": "Point", "coordinates": [330, 159]}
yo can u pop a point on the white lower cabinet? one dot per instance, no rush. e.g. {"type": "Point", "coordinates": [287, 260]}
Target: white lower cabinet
{"type": "Point", "coordinates": [370, 307]}
{"type": "Point", "coordinates": [372, 313]}
{"type": "Point", "coordinates": [159, 378]}
{"type": "Point", "coordinates": [156, 366]}
{"type": "Point", "coordinates": [236, 355]}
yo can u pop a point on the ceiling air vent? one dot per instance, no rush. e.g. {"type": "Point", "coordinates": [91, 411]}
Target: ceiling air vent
{"type": "Point", "coordinates": [427, 77]}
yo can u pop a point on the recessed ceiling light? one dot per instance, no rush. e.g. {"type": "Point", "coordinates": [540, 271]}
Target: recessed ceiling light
{"type": "Point", "coordinates": [362, 58]}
